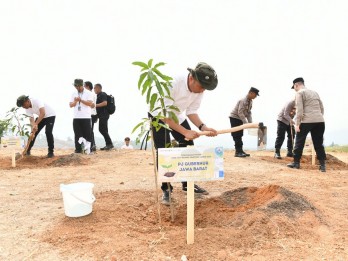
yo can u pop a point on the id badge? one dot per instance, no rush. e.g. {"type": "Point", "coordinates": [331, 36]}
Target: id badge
{"type": "Point", "coordinates": [79, 108]}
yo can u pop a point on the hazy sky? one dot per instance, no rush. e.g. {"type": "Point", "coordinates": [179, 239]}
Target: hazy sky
{"type": "Point", "coordinates": [45, 45]}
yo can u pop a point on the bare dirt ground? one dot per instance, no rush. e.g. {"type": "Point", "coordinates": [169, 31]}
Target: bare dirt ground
{"type": "Point", "coordinates": [261, 211]}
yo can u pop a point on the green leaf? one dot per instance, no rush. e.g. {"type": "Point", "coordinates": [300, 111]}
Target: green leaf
{"type": "Point", "coordinates": [150, 75]}
{"type": "Point", "coordinates": [148, 95]}
{"type": "Point", "coordinates": [153, 101]}
{"type": "Point", "coordinates": [164, 126]}
{"type": "Point", "coordinates": [165, 85]}
{"type": "Point", "coordinates": [164, 77]}
{"type": "Point", "coordinates": [159, 64]}
{"type": "Point", "coordinates": [141, 64]}
{"type": "Point", "coordinates": [145, 86]}
{"type": "Point", "coordinates": [169, 97]}
{"type": "Point", "coordinates": [137, 126]}
{"type": "Point", "coordinates": [173, 116]}
{"type": "Point", "coordinates": [149, 63]}
{"type": "Point", "coordinates": [174, 108]}
{"type": "Point", "coordinates": [141, 79]}
{"type": "Point", "coordinates": [156, 109]}
{"type": "Point", "coordinates": [158, 86]}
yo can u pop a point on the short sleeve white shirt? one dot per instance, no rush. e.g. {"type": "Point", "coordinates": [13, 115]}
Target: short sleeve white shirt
{"type": "Point", "coordinates": [85, 111]}
{"type": "Point", "coordinates": [36, 105]}
{"type": "Point", "coordinates": [188, 102]}
{"type": "Point", "coordinates": [129, 147]}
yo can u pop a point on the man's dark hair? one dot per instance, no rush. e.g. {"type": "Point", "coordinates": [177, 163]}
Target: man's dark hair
{"type": "Point", "coordinates": [99, 85]}
{"type": "Point", "coordinates": [89, 85]}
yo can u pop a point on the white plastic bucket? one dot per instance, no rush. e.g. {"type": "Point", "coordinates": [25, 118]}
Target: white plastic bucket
{"type": "Point", "coordinates": [78, 198]}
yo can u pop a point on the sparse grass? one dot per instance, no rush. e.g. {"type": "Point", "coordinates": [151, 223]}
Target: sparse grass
{"type": "Point", "coordinates": [337, 148]}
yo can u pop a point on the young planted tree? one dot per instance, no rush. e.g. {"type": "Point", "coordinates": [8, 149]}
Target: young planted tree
{"type": "Point", "coordinates": [14, 124]}
{"type": "Point", "coordinates": [156, 87]}
{"type": "Point", "coordinates": [4, 125]}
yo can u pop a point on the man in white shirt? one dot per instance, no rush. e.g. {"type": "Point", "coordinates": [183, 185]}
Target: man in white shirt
{"type": "Point", "coordinates": [127, 146]}
{"type": "Point", "coordinates": [81, 100]}
{"type": "Point", "coordinates": [46, 118]}
{"type": "Point", "coordinates": [89, 86]}
{"type": "Point", "coordinates": [187, 93]}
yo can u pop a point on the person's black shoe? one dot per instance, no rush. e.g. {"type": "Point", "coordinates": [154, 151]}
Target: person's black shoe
{"type": "Point", "coordinates": [322, 166]}
{"type": "Point", "coordinates": [50, 155]}
{"type": "Point", "coordinates": [94, 148]}
{"type": "Point", "coordinates": [246, 154]}
{"type": "Point", "coordinates": [198, 190]}
{"type": "Point", "coordinates": [109, 147]}
{"type": "Point", "coordinates": [78, 151]}
{"type": "Point", "coordinates": [240, 155]}
{"type": "Point", "coordinates": [277, 155]}
{"type": "Point", "coordinates": [28, 153]}
{"type": "Point", "coordinates": [290, 154]}
{"type": "Point", "coordinates": [294, 165]}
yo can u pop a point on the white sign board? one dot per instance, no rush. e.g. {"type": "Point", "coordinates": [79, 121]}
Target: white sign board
{"type": "Point", "coordinates": [190, 164]}
{"type": "Point", "coordinates": [12, 142]}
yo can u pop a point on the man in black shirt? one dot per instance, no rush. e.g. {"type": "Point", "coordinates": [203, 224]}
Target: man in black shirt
{"type": "Point", "coordinates": [103, 115]}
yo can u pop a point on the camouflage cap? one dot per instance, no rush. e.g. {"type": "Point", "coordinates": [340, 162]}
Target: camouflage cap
{"type": "Point", "coordinates": [206, 75]}
{"type": "Point", "coordinates": [78, 82]}
{"type": "Point", "coordinates": [21, 99]}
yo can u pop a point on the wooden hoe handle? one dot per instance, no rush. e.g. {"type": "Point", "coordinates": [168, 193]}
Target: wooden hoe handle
{"type": "Point", "coordinates": [234, 129]}
{"type": "Point", "coordinates": [31, 137]}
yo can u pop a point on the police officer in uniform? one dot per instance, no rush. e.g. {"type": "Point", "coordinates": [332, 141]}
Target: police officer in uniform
{"type": "Point", "coordinates": [240, 115]}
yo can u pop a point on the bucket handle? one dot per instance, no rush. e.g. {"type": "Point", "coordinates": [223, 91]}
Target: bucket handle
{"type": "Point", "coordinates": [89, 202]}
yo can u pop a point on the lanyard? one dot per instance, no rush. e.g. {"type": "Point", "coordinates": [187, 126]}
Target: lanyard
{"type": "Point", "coordinates": [80, 96]}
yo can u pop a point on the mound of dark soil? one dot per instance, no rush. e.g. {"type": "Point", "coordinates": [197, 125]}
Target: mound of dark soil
{"type": "Point", "coordinates": [68, 160]}
{"type": "Point", "coordinates": [332, 163]}
{"type": "Point", "coordinates": [33, 162]}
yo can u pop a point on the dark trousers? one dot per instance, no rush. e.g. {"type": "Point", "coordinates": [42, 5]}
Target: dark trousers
{"type": "Point", "coordinates": [237, 136]}
{"type": "Point", "coordinates": [103, 129]}
{"type": "Point", "coordinates": [281, 130]}
{"type": "Point", "coordinates": [94, 120]}
{"type": "Point", "coordinates": [161, 139]}
{"type": "Point", "coordinates": [82, 128]}
{"type": "Point", "coordinates": [49, 123]}
{"type": "Point", "coordinates": [317, 132]}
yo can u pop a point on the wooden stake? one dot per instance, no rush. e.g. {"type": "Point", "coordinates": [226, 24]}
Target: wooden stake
{"type": "Point", "coordinates": [171, 205]}
{"type": "Point", "coordinates": [190, 213]}
{"type": "Point", "coordinates": [156, 181]}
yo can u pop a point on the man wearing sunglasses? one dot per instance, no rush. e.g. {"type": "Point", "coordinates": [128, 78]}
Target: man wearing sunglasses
{"type": "Point", "coordinates": [82, 101]}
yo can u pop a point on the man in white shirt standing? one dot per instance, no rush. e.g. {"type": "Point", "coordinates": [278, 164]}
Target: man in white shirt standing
{"type": "Point", "coordinates": [94, 116]}
{"type": "Point", "coordinates": [46, 118]}
{"type": "Point", "coordinates": [187, 93]}
{"type": "Point", "coordinates": [127, 146]}
{"type": "Point", "coordinates": [81, 100]}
